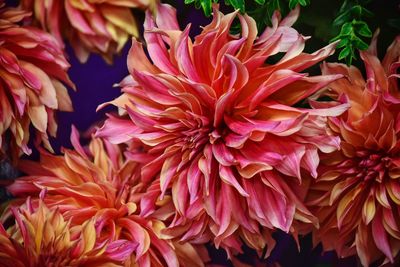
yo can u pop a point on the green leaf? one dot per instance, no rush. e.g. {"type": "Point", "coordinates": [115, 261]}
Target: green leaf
{"type": "Point", "coordinates": [276, 5]}
{"type": "Point", "coordinates": [349, 60]}
{"type": "Point", "coordinates": [347, 29]}
{"type": "Point", "coordinates": [359, 43]}
{"type": "Point", "coordinates": [345, 52]}
{"type": "Point", "coordinates": [207, 7]}
{"type": "Point", "coordinates": [260, 2]}
{"type": "Point", "coordinates": [347, 4]}
{"type": "Point", "coordinates": [363, 29]}
{"type": "Point", "coordinates": [342, 18]}
{"type": "Point", "coordinates": [293, 3]}
{"type": "Point", "coordinates": [356, 11]}
{"type": "Point", "coordinates": [304, 2]}
{"type": "Point", "coordinates": [366, 13]}
{"type": "Point", "coordinates": [335, 38]}
{"type": "Point", "coordinates": [237, 4]}
{"type": "Point", "coordinates": [343, 42]}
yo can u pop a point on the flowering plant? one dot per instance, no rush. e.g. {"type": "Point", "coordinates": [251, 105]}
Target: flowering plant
{"type": "Point", "coordinates": [33, 69]}
{"type": "Point", "coordinates": [230, 144]}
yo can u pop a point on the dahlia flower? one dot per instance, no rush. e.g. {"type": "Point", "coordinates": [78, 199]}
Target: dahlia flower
{"type": "Point", "coordinates": [221, 126]}
{"type": "Point", "coordinates": [32, 72]}
{"type": "Point", "coordinates": [100, 26]}
{"type": "Point", "coordinates": [40, 236]}
{"type": "Point", "coordinates": [99, 184]}
{"type": "Point", "coordinates": [357, 195]}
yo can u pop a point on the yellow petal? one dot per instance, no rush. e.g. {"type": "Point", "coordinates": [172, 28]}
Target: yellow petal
{"type": "Point", "coordinates": [121, 17]}
{"type": "Point", "coordinates": [64, 101]}
{"type": "Point", "coordinates": [369, 209]}
{"type": "Point", "coordinates": [88, 236]}
{"type": "Point", "coordinates": [39, 118]}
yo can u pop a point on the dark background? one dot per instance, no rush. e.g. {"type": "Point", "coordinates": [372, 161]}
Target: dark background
{"type": "Point", "coordinates": [95, 79]}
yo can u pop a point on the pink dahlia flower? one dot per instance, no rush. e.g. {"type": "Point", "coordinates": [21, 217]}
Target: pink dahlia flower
{"type": "Point", "coordinates": [357, 195]}
{"type": "Point", "coordinates": [99, 184]}
{"type": "Point", "coordinates": [40, 236]}
{"type": "Point", "coordinates": [32, 72]}
{"type": "Point", "coordinates": [219, 121]}
{"type": "Point", "coordinates": [100, 26]}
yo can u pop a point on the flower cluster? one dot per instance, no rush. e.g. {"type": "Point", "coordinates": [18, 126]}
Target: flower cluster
{"type": "Point", "coordinates": [95, 186]}
{"type": "Point", "coordinates": [222, 139]}
{"type": "Point", "coordinates": [33, 71]}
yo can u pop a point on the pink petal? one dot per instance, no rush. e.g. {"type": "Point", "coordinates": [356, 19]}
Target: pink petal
{"type": "Point", "coordinates": [380, 237]}
{"type": "Point", "coordinates": [227, 175]}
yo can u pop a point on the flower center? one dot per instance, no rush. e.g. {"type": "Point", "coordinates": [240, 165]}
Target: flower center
{"type": "Point", "coordinates": [195, 138]}
{"type": "Point", "coordinates": [373, 166]}
{"type": "Point", "coordinates": [48, 257]}
{"type": "Point", "coordinates": [219, 132]}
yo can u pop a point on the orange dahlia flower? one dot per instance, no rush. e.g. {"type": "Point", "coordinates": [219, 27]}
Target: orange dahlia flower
{"type": "Point", "coordinates": [40, 236]}
{"type": "Point", "coordinates": [100, 26]}
{"type": "Point", "coordinates": [32, 72]}
{"type": "Point", "coordinates": [357, 195]}
{"type": "Point", "coordinates": [99, 184]}
{"type": "Point", "coordinates": [217, 116]}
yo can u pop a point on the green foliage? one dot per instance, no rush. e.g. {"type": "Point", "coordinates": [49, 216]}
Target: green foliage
{"type": "Point", "coordinates": [347, 22]}
{"type": "Point", "coordinates": [294, 3]}
{"type": "Point", "coordinates": [262, 13]}
{"type": "Point", "coordinates": [260, 10]}
{"type": "Point", "coordinates": [270, 5]}
{"type": "Point", "coordinates": [237, 4]}
{"type": "Point", "coordinates": [354, 30]}
{"type": "Point", "coordinates": [206, 5]}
